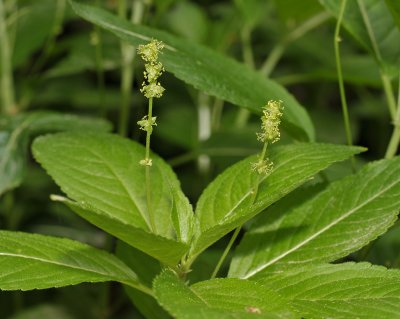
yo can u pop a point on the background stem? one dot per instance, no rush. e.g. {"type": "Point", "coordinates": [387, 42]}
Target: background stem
{"type": "Point", "coordinates": [128, 53]}
{"type": "Point", "coordinates": [345, 111]}
{"type": "Point", "coordinates": [6, 76]}
{"type": "Point", "coordinates": [395, 139]}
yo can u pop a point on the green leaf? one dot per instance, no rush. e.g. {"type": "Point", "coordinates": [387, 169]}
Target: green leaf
{"type": "Point", "coordinates": [341, 219]}
{"type": "Point", "coordinates": [340, 291]}
{"type": "Point", "coordinates": [166, 250]}
{"type": "Point", "coordinates": [219, 298]}
{"type": "Point", "coordinates": [146, 268]}
{"type": "Point", "coordinates": [101, 172]}
{"type": "Point", "coordinates": [207, 70]}
{"type": "Point", "coordinates": [14, 138]}
{"type": "Point", "coordinates": [31, 261]}
{"type": "Point", "coordinates": [225, 204]}
{"type": "Point", "coordinates": [394, 7]}
{"type": "Point", "coordinates": [386, 34]}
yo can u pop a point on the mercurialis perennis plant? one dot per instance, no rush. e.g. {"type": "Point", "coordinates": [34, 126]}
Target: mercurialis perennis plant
{"type": "Point", "coordinates": [218, 198]}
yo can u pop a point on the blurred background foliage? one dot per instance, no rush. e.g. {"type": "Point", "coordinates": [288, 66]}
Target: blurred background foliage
{"type": "Point", "coordinates": [66, 72]}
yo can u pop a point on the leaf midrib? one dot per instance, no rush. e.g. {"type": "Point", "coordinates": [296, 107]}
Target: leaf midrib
{"type": "Point", "coordinates": [322, 230]}
{"type": "Point", "coordinates": [52, 262]}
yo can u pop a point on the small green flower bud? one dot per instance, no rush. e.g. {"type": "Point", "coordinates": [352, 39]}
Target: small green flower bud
{"type": "Point", "coordinates": [146, 124]}
{"type": "Point", "coordinates": [152, 90]}
{"type": "Point", "coordinates": [149, 52]}
{"type": "Point", "coordinates": [146, 162]}
{"type": "Point", "coordinates": [263, 167]}
{"type": "Point", "coordinates": [153, 71]}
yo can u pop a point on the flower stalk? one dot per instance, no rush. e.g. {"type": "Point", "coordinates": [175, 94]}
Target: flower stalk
{"type": "Point", "coordinates": [151, 89]}
{"type": "Point", "coordinates": [270, 121]}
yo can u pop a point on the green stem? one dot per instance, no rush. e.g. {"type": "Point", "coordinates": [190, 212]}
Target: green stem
{"type": "Point", "coordinates": [345, 111]}
{"type": "Point", "coordinates": [395, 139]}
{"type": "Point", "coordinates": [237, 230]}
{"type": "Point", "coordinates": [269, 64]}
{"type": "Point", "coordinates": [384, 77]}
{"type": "Point", "coordinates": [128, 54]}
{"type": "Point", "coordinates": [148, 180]}
{"type": "Point", "coordinates": [6, 76]}
{"type": "Point", "coordinates": [225, 253]}
{"type": "Point", "coordinates": [100, 67]}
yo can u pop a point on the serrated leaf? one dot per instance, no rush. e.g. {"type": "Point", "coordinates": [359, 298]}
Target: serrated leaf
{"type": "Point", "coordinates": [340, 291]}
{"type": "Point", "coordinates": [102, 174]}
{"type": "Point", "coordinates": [15, 133]}
{"type": "Point", "coordinates": [31, 261]}
{"type": "Point", "coordinates": [343, 218]}
{"type": "Point", "coordinates": [386, 33]}
{"type": "Point", "coordinates": [164, 249]}
{"type": "Point", "coordinates": [146, 268]}
{"type": "Point", "coordinates": [207, 70]}
{"type": "Point", "coordinates": [220, 298]}
{"type": "Point", "coordinates": [225, 204]}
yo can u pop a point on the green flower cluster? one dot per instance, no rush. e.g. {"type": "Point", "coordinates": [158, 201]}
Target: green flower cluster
{"type": "Point", "coordinates": [270, 121]}
{"type": "Point", "coordinates": [149, 53]}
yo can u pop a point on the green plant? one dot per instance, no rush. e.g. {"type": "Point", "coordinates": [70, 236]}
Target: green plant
{"type": "Point", "coordinates": [301, 229]}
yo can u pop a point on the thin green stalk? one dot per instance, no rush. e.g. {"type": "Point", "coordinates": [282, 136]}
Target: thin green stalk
{"type": "Point", "coordinates": [216, 115]}
{"type": "Point", "coordinates": [269, 64]}
{"type": "Point", "coordinates": [387, 86]}
{"type": "Point", "coordinates": [345, 112]}
{"type": "Point", "coordinates": [148, 180]}
{"type": "Point", "coordinates": [226, 252]}
{"type": "Point", "coordinates": [237, 230]}
{"type": "Point", "coordinates": [395, 139]}
{"type": "Point", "coordinates": [6, 77]}
{"type": "Point", "coordinates": [98, 43]}
{"type": "Point", "coordinates": [128, 54]}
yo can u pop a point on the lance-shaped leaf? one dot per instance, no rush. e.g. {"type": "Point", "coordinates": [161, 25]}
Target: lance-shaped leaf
{"type": "Point", "coordinates": [208, 70]}
{"type": "Point", "coordinates": [386, 33]}
{"type": "Point", "coordinates": [31, 261]}
{"type": "Point", "coordinates": [15, 132]}
{"type": "Point", "coordinates": [227, 202]}
{"type": "Point", "coordinates": [219, 298]}
{"type": "Point", "coordinates": [347, 290]}
{"type": "Point", "coordinates": [102, 174]}
{"type": "Point", "coordinates": [343, 218]}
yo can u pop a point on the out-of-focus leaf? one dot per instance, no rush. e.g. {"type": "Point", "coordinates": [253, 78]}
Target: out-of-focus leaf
{"type": "Point", "coordinates": [44, 312]}
{"type": "Point", "coordinates": [386, 33]}
{"type": "Point", "coordinates": [16, 131]}
{"type": "Point", "coordinates": [394, 7]}
{"type": "Point", "coordinates": [207, 70]}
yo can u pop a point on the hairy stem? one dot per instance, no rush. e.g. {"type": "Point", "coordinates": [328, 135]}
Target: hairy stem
{"type": "Point", "coordinates": [6, 75]}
